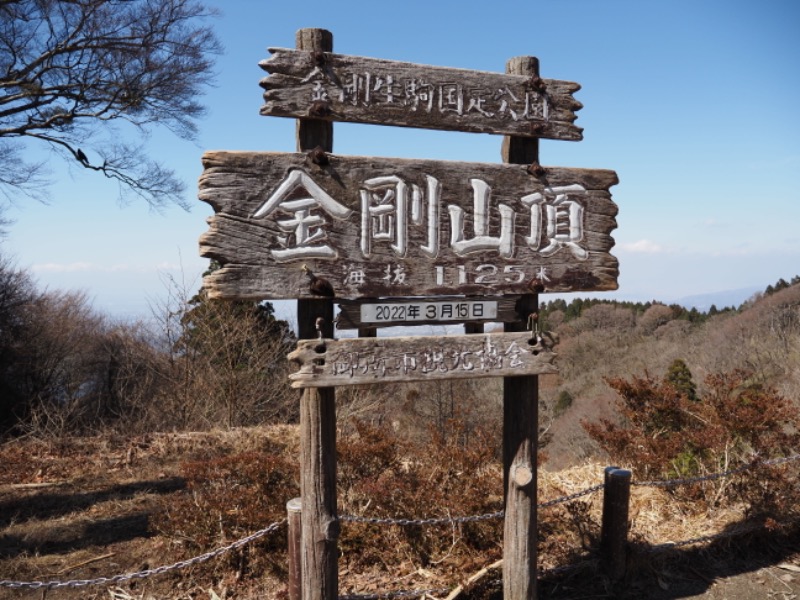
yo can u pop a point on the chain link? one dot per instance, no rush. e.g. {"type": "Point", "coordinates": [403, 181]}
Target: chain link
{"type": "Point", "coordinates": [75, 583]}
{"type": "Point", "coordinates": [434, 521]}
{"type": "Point", "coordinates": [571, 497]}
{"type": "Point", "coordinates": [781, 461]}
{"type": "Point", "coordinates": [713, 476]}
{"type": "Point", "coordinates": [397, 594]}
{"type": "Point", "coordinates": [471, 519]}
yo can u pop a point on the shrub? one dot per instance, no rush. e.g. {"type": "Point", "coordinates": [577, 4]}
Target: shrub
{"type": "Point", "coordinates": [563, 401]}
{"type": "Point", "coordinates": [228, 498]}
{"type": "Point", "coordinates": [447, 476]}
{"type": "Point", "coordinates": [668, 435]}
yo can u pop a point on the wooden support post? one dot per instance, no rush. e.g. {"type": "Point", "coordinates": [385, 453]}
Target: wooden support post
{"type": "Point", "coordinates": [520, 417]}
{"type": "Point", "coordinates": [294, 525]}
{"type": "Point", "coordinates": [614, 529]}
{"type": "Point", "coordinates": [367, 332]}
{"type": "Point", "coordinates": [312, 133]}
{"type": "Point", "coordinates": [470, 328]}
{"type": "Point", "coordinates": [320, 524]}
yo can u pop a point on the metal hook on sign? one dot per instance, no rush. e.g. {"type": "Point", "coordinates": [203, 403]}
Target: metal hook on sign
{"type": "Point", "coordinates": [533, 322]}
{"type": "Point", "coordinates": [318, 324]}
{"type": "Point", "coordinates": [321, 347]}
{"type": "Point", "coordinates": [533, 326]}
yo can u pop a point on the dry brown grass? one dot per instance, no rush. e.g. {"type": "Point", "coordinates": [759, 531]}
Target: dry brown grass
{"type": "Point", "coordinates": [84, 509]}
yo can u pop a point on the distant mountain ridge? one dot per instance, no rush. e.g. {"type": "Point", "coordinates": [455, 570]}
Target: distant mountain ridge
{"type": "Point", "coordinates": [721, 299]}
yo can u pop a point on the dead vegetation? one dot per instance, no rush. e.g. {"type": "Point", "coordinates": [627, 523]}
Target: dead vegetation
{"type": "Point", "coordinates": [604, 341]}
{"type": "Point", "coordinates": [136, 497]}
{"type": "Point", "coordinates": [93, 507]}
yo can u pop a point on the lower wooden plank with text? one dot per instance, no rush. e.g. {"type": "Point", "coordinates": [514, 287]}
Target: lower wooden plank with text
{"type": "Point", "coordinates": [329, 363]}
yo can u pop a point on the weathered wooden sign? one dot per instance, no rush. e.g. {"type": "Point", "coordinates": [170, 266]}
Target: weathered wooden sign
{"type": "Point", "coordinates": [326, 362]}
{"type": "Point", "coordinates": [355, 227]}
{"type": "Point", "coordinates": [370, 90]}
{"type": "Point", "coordinates": [426, 311]}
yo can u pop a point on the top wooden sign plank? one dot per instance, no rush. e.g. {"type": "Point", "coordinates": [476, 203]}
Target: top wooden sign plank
{"type": "Point", "coordinates": [355, 89]}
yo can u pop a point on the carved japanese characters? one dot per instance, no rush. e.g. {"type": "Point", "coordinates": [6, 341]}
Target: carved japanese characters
{"type": "Point", "coordinates": [377, 227]}
{"type": "Point", "coordinates": [370, 90]}
{"type": "Point", "coordinates": [327, 362]}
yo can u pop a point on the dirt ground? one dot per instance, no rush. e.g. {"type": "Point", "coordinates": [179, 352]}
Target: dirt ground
{"type": "Point", "coordinates": [761, 566]}
{"type": "Point", "coordinates": [84, 511]}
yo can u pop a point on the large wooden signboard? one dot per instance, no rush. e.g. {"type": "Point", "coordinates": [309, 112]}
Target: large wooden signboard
{"type": "Point", "coordinates": [370, 90]}
{"type": "Point", "coordinates": [327, 362]}
{"type": "Point", "coordinates": [382, 227]}
{"type": "Point", "coordinates": [414, 241]}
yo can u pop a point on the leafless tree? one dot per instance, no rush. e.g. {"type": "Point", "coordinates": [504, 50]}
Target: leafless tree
{"type": "Point", "coordinates": [226, 362]}
{"type": "Point", "coordinates": [79, 76]}
{"type": "Point", "coordinates": [17, 291]}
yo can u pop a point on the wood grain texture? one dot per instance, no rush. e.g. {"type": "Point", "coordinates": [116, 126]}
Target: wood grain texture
{"type": "Point", "coordinates": [520, 417]}
{"type": "Point", "coordinates": [369, 90]}
{"type": "Point", "coordinates": [326, 362]}
{"type": "Point", "coordinates": [320, 522]}
{"type": "Point", "coordinates": [247, 234]}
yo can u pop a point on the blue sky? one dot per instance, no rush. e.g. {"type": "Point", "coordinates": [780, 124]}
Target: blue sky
{"type": "Point", "coordinates": [693, 104]}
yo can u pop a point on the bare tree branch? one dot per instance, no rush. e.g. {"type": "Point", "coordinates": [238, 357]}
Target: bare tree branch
{"type": "Point", "coordinates": [70, 70]}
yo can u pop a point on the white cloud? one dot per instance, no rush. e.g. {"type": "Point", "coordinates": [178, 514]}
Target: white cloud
{"type": "Point", "coordinates": [87, 267]}
{"type": "Point", "coordinates": [63, 268]}
{"type": "Point", "coordinates": [642, 247]}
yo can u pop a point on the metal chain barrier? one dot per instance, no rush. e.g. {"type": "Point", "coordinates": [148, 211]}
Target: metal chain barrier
{"type": "Point", "coordinates": [434, 521]}
{"type": "Point", "coordinates": [571, 497]}
{"type": "Point", "coordinates": [397, 594]}
{"type": "Point", "coordinates": [52, 585]}
{"type": "Point", "coordinates": [714, 476]}
{"type": "Point", "coordinates": [55, 584]}
{"type": "Point", "coordinates": [450, 520]}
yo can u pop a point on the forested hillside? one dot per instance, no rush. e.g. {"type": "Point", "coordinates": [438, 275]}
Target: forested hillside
{"type": "Point", "coordinates": [601, 340]}
{"type": "Point", "coordinates": [65, 369]}
{"type": "Point", "coordinates": [155, 442]}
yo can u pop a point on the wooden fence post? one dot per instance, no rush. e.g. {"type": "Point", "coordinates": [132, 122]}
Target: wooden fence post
{"type": "Point", "coordinates": [294, 519]}
{"type": "Point", "coordinates": [614, 528]}
{"type": "Point", "coordinates": [520, 417]}
{"type": "Point", "coordinates": [320, 523]}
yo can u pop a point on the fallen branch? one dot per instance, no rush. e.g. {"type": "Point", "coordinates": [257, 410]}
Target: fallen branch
{"type": "Point", "coordinates": [32, 486]}
{"type": "Point", "coordinates": [84, 563]}
{"type": "Point", "coordinates": [473, 579]}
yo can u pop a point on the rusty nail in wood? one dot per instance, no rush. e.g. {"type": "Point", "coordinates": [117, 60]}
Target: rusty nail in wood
{"type": "Point", "coordinates": [319, 108]}
{"type": "Point", "coordinates": [537, 287]}
{"type": "Point", "coordinates": [319, 58]}
{"type": "Point", "coordinates": [537, 170]}
{"type": "Point", "coordinates": [537, 83]}
{"type": "Point", "coordinates": [318, 156]}
{"type": "Point", "coordinates": [537, 127]}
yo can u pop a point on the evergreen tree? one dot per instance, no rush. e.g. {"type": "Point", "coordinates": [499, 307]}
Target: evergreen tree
{"type": "Point", "coordinates": [680, 377]}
